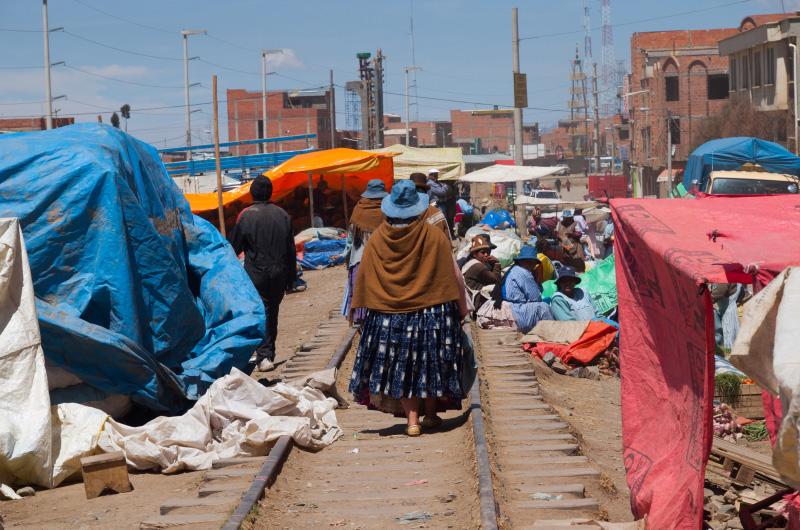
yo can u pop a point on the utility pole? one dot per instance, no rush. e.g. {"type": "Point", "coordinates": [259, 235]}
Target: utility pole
{"type": "Point", "coordinates": [596, 142]}
{"type": "Point", "coordinates": [220, 206]}
{"type": "Point", "coordinates": [408, 118]}
{"type": "Point", "coordinates": [264, 95]}
{"type": "Point", "coordinates": [186, 89]}
{"type": "Point", "coordinates": [794, 76]}
{"type": "Point", "coordinates": [669, 151]}
{"type": "Point", "coordinates": [378, 99]}
{"type": "Point", "coordinates": [332, 107]}
{"type": "Point", "coordinates": [47, 94]}
{"type": "Point", "coordinates": [518, 159]}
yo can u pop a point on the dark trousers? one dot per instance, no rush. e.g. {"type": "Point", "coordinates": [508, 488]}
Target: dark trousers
{"type": "Point", "coordinates": [271, 288]}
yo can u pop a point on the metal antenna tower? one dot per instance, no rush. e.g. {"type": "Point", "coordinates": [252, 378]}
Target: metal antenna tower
{"type": "Point", "coordinates": [619, 81]}
{"type": "Point", "coordinates": [587, 39]}
{"type": "Point", "coordinates": [609, 73]}
{"type": "Point", "coordinates": [578, 108]}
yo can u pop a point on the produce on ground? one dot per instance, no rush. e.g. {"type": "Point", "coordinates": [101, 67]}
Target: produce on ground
{"type": "Point", "coordinates": [728, 385]}
{"type": "Point", "coordinates": [756, 431]}
{"type": "Point", "coordinates": [724, 425]}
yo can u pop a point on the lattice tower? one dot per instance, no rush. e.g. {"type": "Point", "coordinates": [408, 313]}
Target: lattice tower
{"type": "Point", "coordinates": [587, 38]}
{"type": "Point", "coordinates": [578, 108]}
{"type": "Point", "coordinates": [609, 73]}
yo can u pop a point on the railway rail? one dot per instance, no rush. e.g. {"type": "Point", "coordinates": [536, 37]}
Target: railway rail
{"type": "Point", "coordinates": [514, 466]}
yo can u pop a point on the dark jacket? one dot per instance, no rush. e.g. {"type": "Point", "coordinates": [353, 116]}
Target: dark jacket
{"type": "Point", "coordinates": [264, 233]}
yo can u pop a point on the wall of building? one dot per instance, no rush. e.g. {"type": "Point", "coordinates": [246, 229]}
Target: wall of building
{"type": "Point", "coordinates": [245, 121]}
{"type": "Point", "coordinates": [14, 125]}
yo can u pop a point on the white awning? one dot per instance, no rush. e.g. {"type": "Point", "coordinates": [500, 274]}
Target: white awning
{"type": "Point", "coordinates": [524, 200]}
{"type": "Point", "coordinates": [503, 173]}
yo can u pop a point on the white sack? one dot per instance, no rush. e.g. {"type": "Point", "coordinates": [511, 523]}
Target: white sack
{"type": "Point", "coordinates": [508, 244]}
{"type": "Point", "coordinates": [24, 400]}
{"type": "Point", "coordinates": [237, 416]}
{"type": "Point", "coordinates": [766, 350]}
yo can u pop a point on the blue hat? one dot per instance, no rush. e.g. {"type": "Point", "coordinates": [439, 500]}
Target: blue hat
{"type": "Point", "coordinates": [567, 272]}
{"type": "Point", "coordinates": [566, 213]}
{"type": "Point", "coordinates": [528, 252]}
{"type": "Point", "coordinates": [376, 189]}
{"type": "Point", "coordinates": [404, 201]}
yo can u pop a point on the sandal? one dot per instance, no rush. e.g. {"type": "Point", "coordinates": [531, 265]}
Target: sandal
{"type": "Point", "coordinates": [413, 430]}
{"type": "Point", "coordinates": [431, 422]}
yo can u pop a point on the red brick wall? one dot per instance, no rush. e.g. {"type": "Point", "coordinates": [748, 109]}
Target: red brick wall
{"type": "Point", "coordinates": [32, 124]}
{"type": "Point", "coordinates": [692, 70]}
{"type": "Point", "coordinates": [244, 113]}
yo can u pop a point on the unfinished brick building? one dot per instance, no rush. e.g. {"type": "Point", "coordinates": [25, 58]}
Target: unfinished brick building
{"type": "Point", "coordinates": [676, 71]}
{"type": "Point", "coordinates": [289, 113]}
{"type": "Point", "coordinates": [488, 131]}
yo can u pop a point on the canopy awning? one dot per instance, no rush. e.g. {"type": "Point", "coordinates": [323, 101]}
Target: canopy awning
{"type": "Point", "coordinates": [524, 200]}
{"type": "Point", "coordinates": [448, 160]}
{"type": "Point", "coordinates": [503, 173]}
{"type": "Point", "coordinates": [359, 167]}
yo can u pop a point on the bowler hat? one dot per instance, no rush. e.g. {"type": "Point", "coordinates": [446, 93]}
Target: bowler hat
{"type": "Point", "coordinates": [479, 243]}
{"type": "Point", "coordinates": [405, 201]}
{"type": "Point", "coordinates": [420, 181]}
{"type": "Point", "coordinates": [376, 189]}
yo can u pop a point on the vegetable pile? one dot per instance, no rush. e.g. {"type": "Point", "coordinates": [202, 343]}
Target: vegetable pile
{"type": "Point", "coordinates": [756, 431]}
{"type": "Point", "coordinates": [724, 425]}
{"type": "Point", "coordinates": [608, 363]}
{"type": "Point", "coordinates": [728, 386]}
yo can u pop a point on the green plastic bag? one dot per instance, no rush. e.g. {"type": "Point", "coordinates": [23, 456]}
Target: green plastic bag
{"type": "Point", "coordinates": [600, 281]}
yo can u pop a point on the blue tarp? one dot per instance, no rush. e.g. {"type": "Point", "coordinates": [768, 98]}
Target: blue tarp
{"type": "Point", "coordinates": [135, 294]}
{"type": "Point", "coordinates": [728, 154]}
{"type": "Point", "coordinates": [322, 253]}
{"type": "Point", "coordinates": [497, 217]}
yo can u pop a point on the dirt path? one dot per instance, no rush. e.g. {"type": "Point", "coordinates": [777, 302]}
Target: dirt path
{"type": "Point", "coordinates": [66, 507]}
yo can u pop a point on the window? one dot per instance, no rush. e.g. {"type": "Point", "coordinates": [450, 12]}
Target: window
{"type": "Point", "coordinates": [770, 64]}
{"type": "Point", "coordinates": [757, 69]}
{"type": "Point", "coordinates": [732, 74]}
{"type": "Point", "coordinates": [745, 72]}
{"type": "Point", "coordinates": [673, 92]}
{"type": "Point", "coordinates": [675, 128]}
{"type": "Point", "coordinates": [717, 86]}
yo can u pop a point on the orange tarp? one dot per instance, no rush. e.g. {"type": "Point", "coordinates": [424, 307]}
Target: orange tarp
{"type": "Point", "coordinates": [358, 167]}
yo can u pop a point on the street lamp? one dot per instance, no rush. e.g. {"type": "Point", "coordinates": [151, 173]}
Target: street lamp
{"type": "Point", "coordinates": [264, 94]}
{"type": "Point", "coordinates": [185, 34]}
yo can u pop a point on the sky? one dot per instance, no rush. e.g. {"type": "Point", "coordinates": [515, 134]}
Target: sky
{"type": "Point", "coordinates": [128, 52]}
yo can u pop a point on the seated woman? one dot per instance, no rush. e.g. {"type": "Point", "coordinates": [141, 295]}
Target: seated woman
{"type": "Point", "coordinates": [571, 302]}
{"type": "Point", "coordinates": [522, 291]}
{"type": "Point", "coordinates": [481, 271]}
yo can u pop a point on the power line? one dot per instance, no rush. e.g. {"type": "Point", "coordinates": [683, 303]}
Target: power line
{"type": "Point", "coordinates": [124, 19]}
{"type": "Point", "coordinates": [120, 49]}
{"type": "Point", "coordinates": [210, 36]}
{"type": "Point", "coordinates": [642, 20]}
{"type": "Point", "coordinates": [120, 80]}
{"type": "Point", "coordinates": [20, 67]}
{"type": "Point", "coordinates": [22, 30]}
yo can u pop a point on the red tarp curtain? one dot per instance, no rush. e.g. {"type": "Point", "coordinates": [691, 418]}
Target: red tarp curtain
{"type": "Point", "coordinates": [666, 251]}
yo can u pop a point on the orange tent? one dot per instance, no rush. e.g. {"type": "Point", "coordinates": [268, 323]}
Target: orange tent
{"type": "Point", "coordinates": [340, 168]}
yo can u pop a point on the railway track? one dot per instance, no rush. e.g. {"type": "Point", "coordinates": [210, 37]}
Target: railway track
{"type": "Point", "coordinates": [528, 475]}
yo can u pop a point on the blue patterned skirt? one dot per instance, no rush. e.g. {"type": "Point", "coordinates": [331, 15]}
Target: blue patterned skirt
{"type": "Point", "coordinates": [402, 355]}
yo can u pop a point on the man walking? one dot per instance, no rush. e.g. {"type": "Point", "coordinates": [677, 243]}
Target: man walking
{"type": "Point", "coordinates": [558, 185]}
{"type": "Point", "coordinates": [264, 233]}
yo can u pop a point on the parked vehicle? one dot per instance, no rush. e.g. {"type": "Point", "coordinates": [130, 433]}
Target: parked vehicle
{"type": "Point", "coordinates": [750, 183]}
{"type": "Point", "coordinates": [544, 194]}
{"type": "Point", "coordinates": [564, 169]}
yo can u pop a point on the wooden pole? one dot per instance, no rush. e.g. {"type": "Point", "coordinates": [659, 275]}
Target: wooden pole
{"type": "Point", "coordinates": [311, 197]}
{"type": "Point", "coordinates": [219, 168]}
{"type": "Point", "coordinates": [344, 202]}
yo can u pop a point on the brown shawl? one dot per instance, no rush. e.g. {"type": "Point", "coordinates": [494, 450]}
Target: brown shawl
{"type": "Point", "coordinates": [405, 268]}
{"type": "Point", "coordinates": [366, 218]}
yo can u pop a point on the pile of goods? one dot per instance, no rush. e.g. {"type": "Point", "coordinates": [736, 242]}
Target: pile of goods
{"type": "Point", "coordinates": [608, 363]}
{"type": "Point", "coordinates": [755, 431]}
{"type": "Point", "coordinates": [725, 426]}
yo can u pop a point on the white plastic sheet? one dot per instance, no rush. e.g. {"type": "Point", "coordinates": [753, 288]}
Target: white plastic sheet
{"type": "Point", "coordinates": [24, 399]}
{"type": "Point", "coordinates": [508, 244]}
{"type": "Point", "coordinates": [766, 350]}
{"type": "Point", "coordinates": [236, 417]}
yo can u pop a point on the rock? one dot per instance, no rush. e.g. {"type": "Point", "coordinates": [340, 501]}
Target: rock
{"type": "Point", "coordinates": [707, 494]}
{"type": "Point", "coordinates": [741, 441]}
{"type": "Point", "coordinates": [592, 372]}
{"type": "Point", "coordinates": [722, 517]}
{"type": "Point", "coordinates": [450, 497]}
{"type": "Point", "coordinates": [559, 368]}
{"type": "Point", "coordinates": [448, 512]}
{"type": "Point", "coordinates": [27, 491]}
{"type": "Point", "coordinates": [716, 525]}
{"type": "Point", "coordinates": [714, 505]}
{"type": "Point", "coordinates": [577, 372]}
{"type": "Point", "coordinates": [728, 508]}
{"type": "Point", "coordinates": [549, 358]}
{"type": "Point", "coordinates": [730, 496]}
{"type": "Point", "coordinates": [735, 524]}
{"type": "Point", "coordinates": [718, 498]}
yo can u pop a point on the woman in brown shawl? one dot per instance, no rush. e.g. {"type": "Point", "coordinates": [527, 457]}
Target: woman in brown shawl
{"type": "Point", "coordinates": [366, 218]}
{"type": "Point", "coordinates": [410, 347]}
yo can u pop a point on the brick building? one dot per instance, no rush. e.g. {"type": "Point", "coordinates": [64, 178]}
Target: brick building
{"type": "Point", "coordinates": [289, 113]}
{"type": "Point", "coordinates": [15, 125]}
{"type": "Point", "coordinates": [676, 71]}
{"type": "Point", "coordinates": [488, 131]}
{"type": "Point", "coordinates": [421, 134]}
